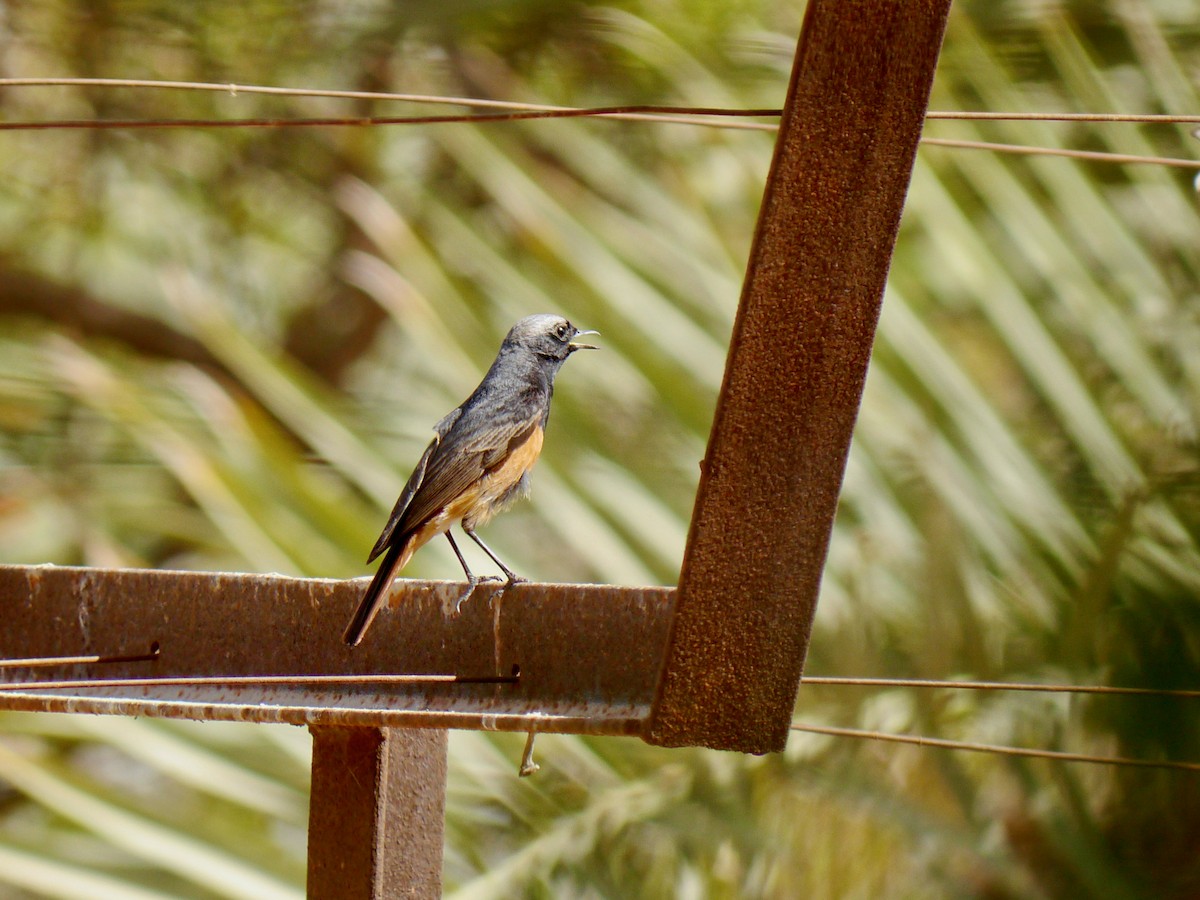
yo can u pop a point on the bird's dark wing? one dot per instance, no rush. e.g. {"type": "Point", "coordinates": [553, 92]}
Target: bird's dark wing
{"type": "Point", "coordinates": [413, 485]}
{"type": "Point", "coordinates": [406, 495]}
{"type": "Point", "coordinates": [479, 441]}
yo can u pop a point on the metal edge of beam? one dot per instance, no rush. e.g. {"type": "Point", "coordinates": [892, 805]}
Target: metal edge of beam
{"type": "Point", "coordinates": [793, 381]}
{"type": "Point", "coordinates": [588, 654]}
{"type": "Point", "coordinates": [613, 725]}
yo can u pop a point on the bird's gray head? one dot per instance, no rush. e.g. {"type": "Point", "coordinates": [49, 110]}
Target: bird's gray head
{"type": "Point", "coordinates": [547, 336]}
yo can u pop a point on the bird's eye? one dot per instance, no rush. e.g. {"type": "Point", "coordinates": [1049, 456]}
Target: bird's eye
{"type": "Point", "coordinates": [563, 331]}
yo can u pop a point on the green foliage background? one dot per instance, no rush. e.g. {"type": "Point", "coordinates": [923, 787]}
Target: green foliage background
{"type": "Point", "coordinates": [222, 349]}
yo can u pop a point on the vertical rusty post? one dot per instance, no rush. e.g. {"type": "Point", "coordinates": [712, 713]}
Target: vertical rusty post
{"type": "Point", "coordinates": [793, 381]}
{"type": "Point", "coordinates": [377, 812]}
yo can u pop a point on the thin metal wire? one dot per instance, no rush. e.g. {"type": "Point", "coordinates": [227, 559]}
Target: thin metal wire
{"type": "Point", "coordinates": [44, 661]}
{"type": "Point", "coordinates": [257, 680]}
{"type": "Point", "coordinates": [694, 116]}
{"type": "Point", "coordinates": [669, 114]}
{"type": "Point", "coordinates": [675, 114]}
{"type": "Point", "coordinates": [1095, 155]}
{"type": "Point", "coordinates": [1128, 118]}
{"type": "Point", "coordinates": [1000, 749]}
{"type": "Point", "coordinates": [233, 89]}
{"type": "Point", "coordinates": [712, 117]}
{"type": "Point", "coordinates": [838, 681]}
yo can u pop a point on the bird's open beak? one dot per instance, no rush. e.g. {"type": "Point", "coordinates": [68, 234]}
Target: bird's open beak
{"type": "Point", "coordinates": [576, 346]}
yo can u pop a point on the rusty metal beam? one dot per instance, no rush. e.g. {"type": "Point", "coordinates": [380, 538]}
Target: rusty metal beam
{"type": "Point", "coordinates": [793, 381]}
{"type": "Point", "coordinates": [376, 817]}
{"type": "Point", "coordinates": [589, 654]}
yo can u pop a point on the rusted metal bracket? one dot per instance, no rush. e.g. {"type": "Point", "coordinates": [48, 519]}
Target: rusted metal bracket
{"type": "Point", "coordinates": [377, 813]}
{"type": "Point", "coordinates": [793, 381]}
{"type": "Point", "coordinates": [588, 654]}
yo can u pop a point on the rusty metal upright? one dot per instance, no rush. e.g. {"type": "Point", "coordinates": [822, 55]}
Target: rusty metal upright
{"type": "Point", "coordinates": [794, 376]}
{"type": "Point", "coordinates": [375, 826]}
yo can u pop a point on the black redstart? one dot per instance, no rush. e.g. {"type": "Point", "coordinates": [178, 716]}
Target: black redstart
{"type": "Point", "coordinates": [479, 461]}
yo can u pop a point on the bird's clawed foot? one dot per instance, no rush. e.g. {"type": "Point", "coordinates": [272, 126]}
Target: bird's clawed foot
{"type": "Point", "coordinates": [466, 595]}
{"type": "Point", "coordinates": [511, 579]}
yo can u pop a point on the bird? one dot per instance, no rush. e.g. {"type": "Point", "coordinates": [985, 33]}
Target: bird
{"type": "Point", "coordinates": [479, 461]}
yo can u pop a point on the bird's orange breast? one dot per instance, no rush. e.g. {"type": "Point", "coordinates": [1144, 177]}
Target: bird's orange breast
{"type": "Point", "coordinates": [495, 488]}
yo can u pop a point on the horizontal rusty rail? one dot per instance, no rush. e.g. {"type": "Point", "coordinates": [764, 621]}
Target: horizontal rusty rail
{"type": "Point", "coordinates": [588, 654]}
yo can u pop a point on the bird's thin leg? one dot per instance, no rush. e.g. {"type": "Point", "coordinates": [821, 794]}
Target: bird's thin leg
{"type": "Point", "coordinates": [512, 576]}
{"type": "Point", "coordinates": [472, 578]}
